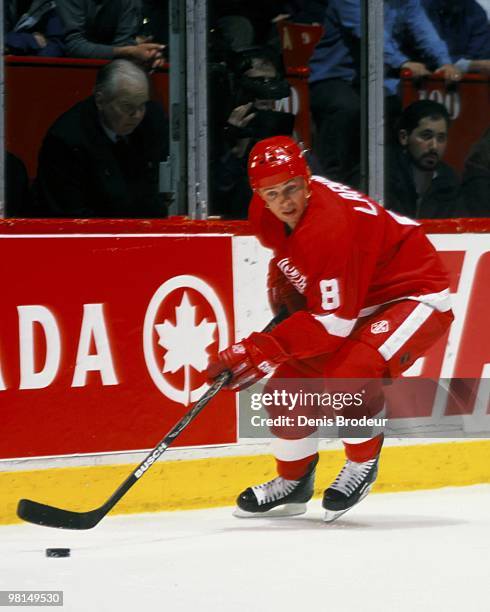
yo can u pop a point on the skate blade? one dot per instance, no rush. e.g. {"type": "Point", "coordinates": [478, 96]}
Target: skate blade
{"type": "Point", "coordinates": [278, 512]}
{"type": "Point", "coordinates": [332, 515]}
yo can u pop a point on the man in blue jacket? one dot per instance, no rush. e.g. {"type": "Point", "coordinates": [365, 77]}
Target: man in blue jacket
{"type": "Point", "coordinates": [335, 75]}
{"type": "Point", "coordinates": [463, 26]}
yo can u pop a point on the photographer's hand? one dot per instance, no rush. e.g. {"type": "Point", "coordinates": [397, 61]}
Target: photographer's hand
{"type": "Point", "coordinates": [241, 116]}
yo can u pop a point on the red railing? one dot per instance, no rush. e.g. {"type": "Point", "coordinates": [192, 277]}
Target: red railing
{"type": "Point", "coordinates": [297, 43]}
{"type": "Point", "coordinates": [184, 225]}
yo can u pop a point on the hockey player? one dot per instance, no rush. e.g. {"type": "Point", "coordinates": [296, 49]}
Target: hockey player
{"type": "Point", "coordinates": [367, 296]}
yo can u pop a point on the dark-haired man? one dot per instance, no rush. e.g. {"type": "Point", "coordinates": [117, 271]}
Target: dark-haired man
{"type": "Point", "coordinates": [419, 184]}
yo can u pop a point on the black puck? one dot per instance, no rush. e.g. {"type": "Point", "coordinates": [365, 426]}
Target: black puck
{"type": "Point", "coordinates": [57, 552]}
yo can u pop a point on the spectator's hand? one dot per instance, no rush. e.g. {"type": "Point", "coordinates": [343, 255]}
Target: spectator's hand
{"type": "Point", "coordinates": [143, 39]}
{"type": "Point", "coordinates": [40, 39]}
{"type": "Point", "coordinates": [241, 116]}
{"type": "Point", "coordinates": [450, 73]}
{"type": "Point", "coordinates": [280, 17]}
{"type": "Point", "coordinates": [149, 54]}
{"type": "Point", "coordinates": [157, 63]}
{"type": "Point", "coordinates": [417, 69]}
{"type": "Point", "coordinates": [480, 66]}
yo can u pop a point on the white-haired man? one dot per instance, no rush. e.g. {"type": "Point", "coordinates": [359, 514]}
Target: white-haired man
{"type": "Point", "coordinates": [101, 157]}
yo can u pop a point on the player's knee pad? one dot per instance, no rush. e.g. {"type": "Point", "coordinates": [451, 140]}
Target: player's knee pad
{"type": "Point", "coordinates": [288, 396]}
{"type": "Point", "coordinates": [355, 379]}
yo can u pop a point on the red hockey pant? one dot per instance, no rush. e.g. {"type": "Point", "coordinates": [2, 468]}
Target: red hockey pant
{"type": "Point", "coordinates": [382, 345]}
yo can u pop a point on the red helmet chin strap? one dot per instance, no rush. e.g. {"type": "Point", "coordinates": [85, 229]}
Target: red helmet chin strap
{"type": "Point", "coordinates": [275, 160]}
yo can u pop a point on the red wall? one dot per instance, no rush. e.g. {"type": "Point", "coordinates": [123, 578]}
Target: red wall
{"type": "Point", "coordinates": [101, 299]}
{"type": "Point", "coordinates": [105, 334]}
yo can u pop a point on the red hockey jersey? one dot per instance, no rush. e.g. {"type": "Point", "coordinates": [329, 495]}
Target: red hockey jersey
{"type": "Point", "coordinates": [348, 256]}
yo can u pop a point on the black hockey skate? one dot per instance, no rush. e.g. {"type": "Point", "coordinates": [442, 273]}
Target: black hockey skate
{"type": "Point", "coordinates": [278, 497]}
{"type": "Point", "coordinates": [351, 486]}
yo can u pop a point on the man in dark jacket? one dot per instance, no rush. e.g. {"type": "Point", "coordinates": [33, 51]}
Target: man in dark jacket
{"type": "Point", "coordinates": [419, 184]}
{"type": "Point", "coordinates": [101, 158]}
{"type": "Point", "coordinates": [476, 178]}
{"type": "Point", "coordinates": [258, 85]}
{"type": "Point", "coordinates": [17, 192]}
{"type": "Point", "coordinates": [108, 29]}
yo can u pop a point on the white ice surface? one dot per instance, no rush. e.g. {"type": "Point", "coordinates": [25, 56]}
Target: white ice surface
{"type": "Point", "coordinates": [400, 552]}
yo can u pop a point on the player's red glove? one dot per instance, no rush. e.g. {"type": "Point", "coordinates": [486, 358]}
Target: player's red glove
{"type": "Point", "coordinates": [281, 293]}
{"type": "Point", "coordinates": [248, 360]}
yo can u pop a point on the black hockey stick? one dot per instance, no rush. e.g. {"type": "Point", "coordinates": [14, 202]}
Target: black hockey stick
{"type": "Point", "coordinates": [50, 516]}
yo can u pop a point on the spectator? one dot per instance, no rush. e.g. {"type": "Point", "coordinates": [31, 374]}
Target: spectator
{"type": "Point", "coordinates": [101, 158]}
{"type": "Point", "coordinates": [419, 184]}
{"type": "Point", "coordinates": [463, 26]}
{"type": "Point", "coordinates": [335, 76]}
{"type": "Point", "coordinates": [476, 179]}
{"type": "Point", "coordinates": [296, 11]}
{"type": "Point", "coordinates": [17, 191]}
{"type": "Point", "coordinates": [305, 11]}
{"type": "Point", "coordinates": [33, 28]}
{"type": "Point", "coordinates": [107, 29]}
{"type": "Point", "coordinates": [233, 22]}
{"type": "Point", "coordinates": [252, 22]}
{"type": "Point", "coordinates": [257, 87]}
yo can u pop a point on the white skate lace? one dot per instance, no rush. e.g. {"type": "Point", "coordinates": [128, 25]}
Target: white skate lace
{"type": "Point", "coordinates": [351, 476]}
{"type": "Point", "coordinates": [274, 489]}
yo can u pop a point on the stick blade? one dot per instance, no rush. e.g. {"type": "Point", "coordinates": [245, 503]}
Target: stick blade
{"type": "Point", "coordinates": [49, 516]}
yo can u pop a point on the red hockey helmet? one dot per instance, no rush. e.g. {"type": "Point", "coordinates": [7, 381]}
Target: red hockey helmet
{"type": "Point", "coordinates": [275, 160]}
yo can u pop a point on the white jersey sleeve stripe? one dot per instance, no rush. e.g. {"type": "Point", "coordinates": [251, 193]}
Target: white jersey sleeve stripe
{"type": "Point", "coordinates": [406, 330]}
{"type": "Point", "coordinates": [336, 326]}
{"type": "Point", "coordinates": [439, 301]}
